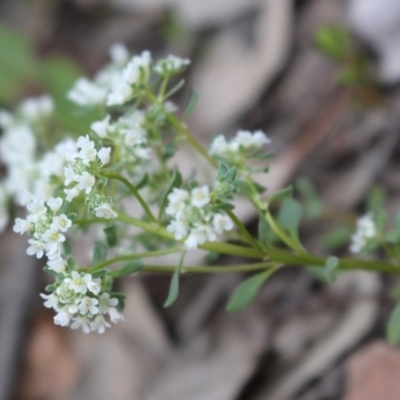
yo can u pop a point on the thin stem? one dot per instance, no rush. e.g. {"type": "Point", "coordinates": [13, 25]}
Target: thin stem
{"type": "Point", "coordinates": [134, 256]}
{"type": "Point", "coordinates": [217, 269]}
{"type": "Point", "coordinates": [222, 248]}
{"type": "Point", "coordinates": [134, 191]}
{"type": "Point", "coordinates": [243, 230]}
{"type": "Point", "coordinates": [282, 234]}
{"type": "Point", "coordinates": [191, 139]}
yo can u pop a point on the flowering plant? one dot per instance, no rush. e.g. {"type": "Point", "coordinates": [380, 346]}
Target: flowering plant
{"type": "Point", "coordinates": [70, 184]}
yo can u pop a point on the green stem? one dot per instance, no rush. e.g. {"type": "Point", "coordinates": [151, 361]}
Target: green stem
{"type": "Point", "coordinates": [190, 139]}
{"type": "Point", "coordinates": [282, 234]}
{"type": "Point", "coordinates": [217, 269]}
{"type": "Point", "coordinates": [134, 191]}
{"type": "Point", "coordinates": [222, 248]}
{"type": "Point", "coordinates": [135, 256]}
{"type": "Point", "coordinates": [244, 231]}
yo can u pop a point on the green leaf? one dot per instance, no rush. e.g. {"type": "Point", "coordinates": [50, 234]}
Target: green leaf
{"type": "Point", "coordinates": [111, 235]}
{"type": "Point", "coordinates": [129, 268]}
{"type": "Point", "coordinates": [245, 189]}
{"type": "Point", "coordinates": [193, 100]}
{"type": "Point", "coordinates": [327, 273]}
{"type": "Point", "coordinates": [50, 288]}
{"type": "Point", "coordinates": [290, 215]}
{"type": "Point", "coordinates": [99, 253]}
{"type": "Point", "coordinates": [246, 292]}
{"type": "Point", "coordinates": [143, 181]}
{"type": "Point", "coordinates": [174, 286]}
{"type": "Point", "coordinates": [264, 157]}
{"type": "Point", "coordinates": [176, 181]}
{"type": "Point", "coordinates": [65, 207]}
{"type": "Point", "coordinates": [281, 195]}
{"type": "Point", "coordinates": [71, 266]}
{"type": "Point", "coordinates": [334, 41]}
{"type": "Point", "coordinates": [264, 231]}
{"type": "Point", "coordinates": [222, 207]}
{"type": "Point", "coordinates": [393, 326]}
{"type": "Point", "coordinates": [99, 273]}
{"type": "Point", "coordinates": [177, 87]}
{"type": "Point", "coordinates": [53, 273]}
{"type": "Point", "coordinates": [337, 237]}
{"type": "Point", "coordinates": [67, 248]}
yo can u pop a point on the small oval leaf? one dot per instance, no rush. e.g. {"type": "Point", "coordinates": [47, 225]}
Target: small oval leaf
{"type": "Point", "coordinates": [246, 292]}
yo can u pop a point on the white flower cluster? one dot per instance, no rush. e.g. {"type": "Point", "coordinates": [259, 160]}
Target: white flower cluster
{"type": "Point", "coordinates": [119, 82]}
{"type": "Point", "coordinates": [18, 146]}
{"type": "Point", "coordinates": [243, 144]}
{"type": "Point", "coordinates": [79, 173]}
{"type": "Point", "coordinates": [127, 133]}
{"type": "Point", "coordinates": [171, 65]}
{"type": "Point", "coordinates": [365, 231]}
{"type": "Point", "coordinates": [47, 227]}
{"type": "Point", "coordinates": [80, 302]}
{"type": "Point", "coordinates": [193, 219]}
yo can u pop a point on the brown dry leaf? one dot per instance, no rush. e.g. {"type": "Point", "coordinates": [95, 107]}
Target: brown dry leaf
{"type": "Point", "coordinates": [209, 368]}
{"type": "Point", "coordinates": [50, 366]}
{"type": "Point", "coordinates": [195, 14]}
{"type": "Point", "coordinates": [117, 364]}
{"type": "Point", "coordinates": [352, 326]}
{"type": "Point", "coordinates": [236, 71]}
{"type": "Point", "coordinates": [373, 373]}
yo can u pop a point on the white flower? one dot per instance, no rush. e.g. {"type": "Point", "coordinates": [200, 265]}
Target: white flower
{"type": "Point", "coordinates": [104, 155]}
{"type": "Point", "coordinates": [247, 139]}
{"type": "Point", "coordinates": [105, 302]}
{"type": "Point", "coordinates": [36, 248]}
{"type": "Point", "coordinates": [221, 223]}
{"type": "Point", "coordinates": [179, 228]}
{"type": "Point", "coordinates": [122, 90]}
{"type": "Point", "coordinates": [171, 64]}
{"type": "Point", "coordinates": [88, 152]}
{"type": "Point", "coordinates": [78, 282]}
{"type": "Point", "coordinates": [61, 223]}
{"type": "Point", "coordinates": [69, 174]}
{"type": "Point", "coordinates": [101, 127]}
{"type": "Point", "coordinates": [51, 300]}
{"type": "Point", "coordinates": [52, 236]}
{"type": "Point", "coordinates": [21, 226]}
{"type": "Point", "coordinates": [104, 210]}
{"type": "Point", "coordinates": [62, 318]}
{"type": "Point", "coordinates": [54, 203]}
{"type": "Point", "coordinates": [365, 231]}
{"type": "Point", "coordinates": [119, 53]}
{"type": "Point", "coordinates": [72, 193]}
{"type": "Point", "coordinates": [134, 137]}
{"type": "Point", "coordinates": [6, 119]}
{"type": "Point", "coordinates": [36, 108]}
{"type": "Point", "coordinates": [57, 265]}
{"type": "Point", "coordinates": [85, 182]}
{"type": "Point", "coordinates": [94, 285]}
{"type": "Point", "coordinates": [66, 150]}
{"type": "Point", "coordinates": [219, 146]}
{"type": "Point", "coordinates": [115, 316]}
{"type": "Point", "coordinates": [37, 207]}
{"type": "Point", "coordinates": [121, 93]}
{"type": "Point", "coordinates": [99, 324]}
{"type": "Point", "coordinates": [86, 93]}
{"type": "Point", "coordinates": [142, 152]}
{"type": "Point", "coordinates": [81, 322]}
{"type": "Point", "coordinates": [88, 304]}
{"type": "Point", "coordinates": [176, 201]}
{"type": "Point", "coordinates": [200, 196]}
{"type": "Point", "coordinates": [54, 251]}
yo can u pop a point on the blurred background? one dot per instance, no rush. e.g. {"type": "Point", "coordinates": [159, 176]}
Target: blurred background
{"type": "Point", "coordinates": [320, 77]}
